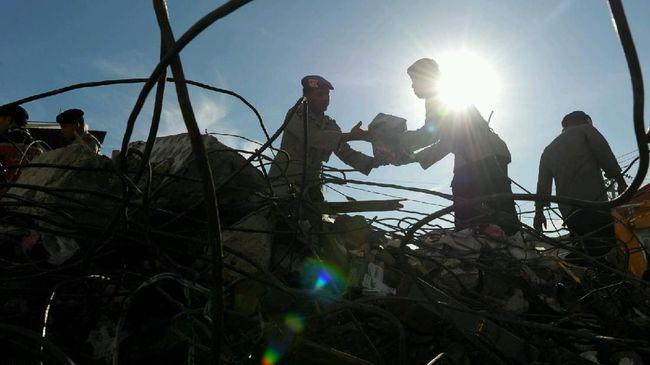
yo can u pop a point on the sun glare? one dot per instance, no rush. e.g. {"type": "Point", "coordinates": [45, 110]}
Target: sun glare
{"type": "Point", "coordinates": [466, 78]}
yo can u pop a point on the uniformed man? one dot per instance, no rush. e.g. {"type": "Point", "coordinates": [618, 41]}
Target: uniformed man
{"type": "Point", "coordinates": [481, 158]}
{"type": "Point", "coordinates": [324, 137]}
{"type": "Point", "coordinates": [16, 143]}
{"type": "Point", "coordinates": [75, 130]}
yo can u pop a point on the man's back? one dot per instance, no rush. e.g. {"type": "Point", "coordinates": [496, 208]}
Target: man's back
{"type": "Point", "coordinates": [574, 160]}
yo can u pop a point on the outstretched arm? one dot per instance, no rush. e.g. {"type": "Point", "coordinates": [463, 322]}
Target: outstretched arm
{"type": "Point", "coordinates": [356, 134]}
{"type": "Point", "coordinates": [419, 138]}
{"type": "Point", "coordinates": [356, 159]}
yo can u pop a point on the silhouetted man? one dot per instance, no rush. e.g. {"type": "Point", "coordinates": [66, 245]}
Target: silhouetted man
{"type": "Point", "coordinates": [574, 160]}
{"type": "Point", "coordinates": [16, 143]}
{"type": "Point", "coordinates": [481, 158]}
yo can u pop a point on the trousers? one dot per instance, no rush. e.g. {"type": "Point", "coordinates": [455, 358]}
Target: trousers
{"type": "Point", "coordinates": [482, 178]}
{"type": "Point", "coordinates": [595, 228]}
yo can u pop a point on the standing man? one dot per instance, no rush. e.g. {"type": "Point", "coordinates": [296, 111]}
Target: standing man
{"type": "Point", "coordinates": [324, 137]}
{"type": "Point", "coordinates": [75, 130]}
{"type": "Point", "coordinates": [481, 158]}
{"type": "Point", "coordinates": [16, 143]}
{"type": "Point", "coordinates": [574, 160]}
{"type": "Point", "coordinates": [290, 168]}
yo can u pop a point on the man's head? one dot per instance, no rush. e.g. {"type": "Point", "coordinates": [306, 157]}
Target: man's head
{"type": "Point", "coordinates": [71, 121]}
{"type": "Point", "coordinates": [12, 116]}
{"type": "Point", "coordinates": [574, 118]}
{"type": "Point", "coordinates": [424, 73]}
{"type": "Point", "coordinates": [317, 91]}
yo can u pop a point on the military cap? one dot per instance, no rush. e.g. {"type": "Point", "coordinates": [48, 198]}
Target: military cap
{"type": "Point", "coordinates": [315, 82]}
{"type": "Point", "coordinates": [15, 111]}
{"type": "Point", "coordinates": [424, 68]}
{"type": "Point", "coordinates": [575, 118]}
{"type": "Point", "coordinates": [70, 116]}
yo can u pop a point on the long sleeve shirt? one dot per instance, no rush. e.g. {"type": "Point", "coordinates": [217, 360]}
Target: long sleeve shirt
{"type": "Point", "coordinates": [464, 133]}
{"type": "Point", "coordinates": [574, 160]}
{"type": "Point", "coordinates": [324, 138]}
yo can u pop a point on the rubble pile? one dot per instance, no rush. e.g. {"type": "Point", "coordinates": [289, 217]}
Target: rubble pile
{"type": "Point", "coordinates": [104, 267]}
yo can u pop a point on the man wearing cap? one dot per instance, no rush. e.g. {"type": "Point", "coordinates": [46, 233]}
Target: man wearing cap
{"type": "Point", "coordinates": [574, 160]}
{"type": "Point", "coordinates": [324, 138]}
{"type": "Point", "coordinates": [75, 130]}
{"type": "Point", "coordinates": [481, 158]}
{"type": "Point", "coordinates": [16, 143]}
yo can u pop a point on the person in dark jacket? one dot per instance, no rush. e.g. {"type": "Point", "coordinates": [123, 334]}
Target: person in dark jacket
{"type": "Point", "coordinates": [17, 146]}
{"type": "Point", "coordinates": [575, 160]}
{"type": "Point", "coordinates": [481, 157]}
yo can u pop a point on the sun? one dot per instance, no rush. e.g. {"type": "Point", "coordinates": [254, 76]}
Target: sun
{"type": "Point", "coordinates": [467, 79]}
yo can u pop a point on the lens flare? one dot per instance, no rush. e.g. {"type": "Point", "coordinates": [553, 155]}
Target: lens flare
{"type": "Point", "coordinates": [271, 355]}
{"type": "Point", "coordinates": [323, 277]}
{"type": "Point", "coordinates": [294, 322]}
{"type": "Point", "coordinates": [316, 275]}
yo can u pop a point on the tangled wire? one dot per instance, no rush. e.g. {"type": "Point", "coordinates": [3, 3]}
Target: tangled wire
{"type": "Point", "coordinates": [131, 280]}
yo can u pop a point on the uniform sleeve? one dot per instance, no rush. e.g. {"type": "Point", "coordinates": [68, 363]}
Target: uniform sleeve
{"type": "Point", "coordinates": [354, 158]}
{"type": "Point", "coordinates": [89, 141]}
{"type": "Point", "coordinates": [419, 138]}
{"type": "Point", "coordinates": [444, 138]}
{"type": "Point", "coordinates": [93, 144]}
{"type": "Point", "coordinates": [603, 153]}
{"type": "Point", "coordinates": [426, 135]}
{"type": "Point", "coordinates": [322, 139]}
{"type": "Point", "coordinates": [433, 154]}
{"type": "Point", "coordinates": [544, 180]}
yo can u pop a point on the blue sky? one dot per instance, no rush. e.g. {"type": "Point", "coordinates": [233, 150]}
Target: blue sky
{"type": "Point", "coordinates": [552, 57]}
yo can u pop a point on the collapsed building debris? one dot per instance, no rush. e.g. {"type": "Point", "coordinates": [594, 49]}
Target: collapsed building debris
{"type": "Point", "coordinates": [351, 293]}
{"type": "Point", "coordinates": [108, 262]}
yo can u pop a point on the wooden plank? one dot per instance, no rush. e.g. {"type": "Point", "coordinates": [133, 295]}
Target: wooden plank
{"type": "Point", "coordinates": [360, 206]}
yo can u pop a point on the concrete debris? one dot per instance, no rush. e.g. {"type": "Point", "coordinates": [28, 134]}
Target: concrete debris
{"type": "Point", "coordinates": [101, 339]}
{"type": "Point", "coordinates": [249, 238]}
{"type": "Point", "coordinates": [80, 189]}
{"type": "Point", "coordinates": [175, 185]}
{"type": "Point", "coordinates": [373, 282]}
{"type": "Point", "coordinates": [517, 303]}
{"type": "Point", "coordinates": [59, 248]}
{"type": "Point", "coordinates": [114, 270]}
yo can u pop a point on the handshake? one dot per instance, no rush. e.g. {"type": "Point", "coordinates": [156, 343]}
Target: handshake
{"type": "Point", "coordinates": [383, 132]}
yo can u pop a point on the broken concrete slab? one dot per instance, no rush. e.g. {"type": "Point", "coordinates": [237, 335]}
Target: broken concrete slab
{"type": "Point", "coordinates": [176, 184]}
{"type": "Point", "coordinates": [80, 192]}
